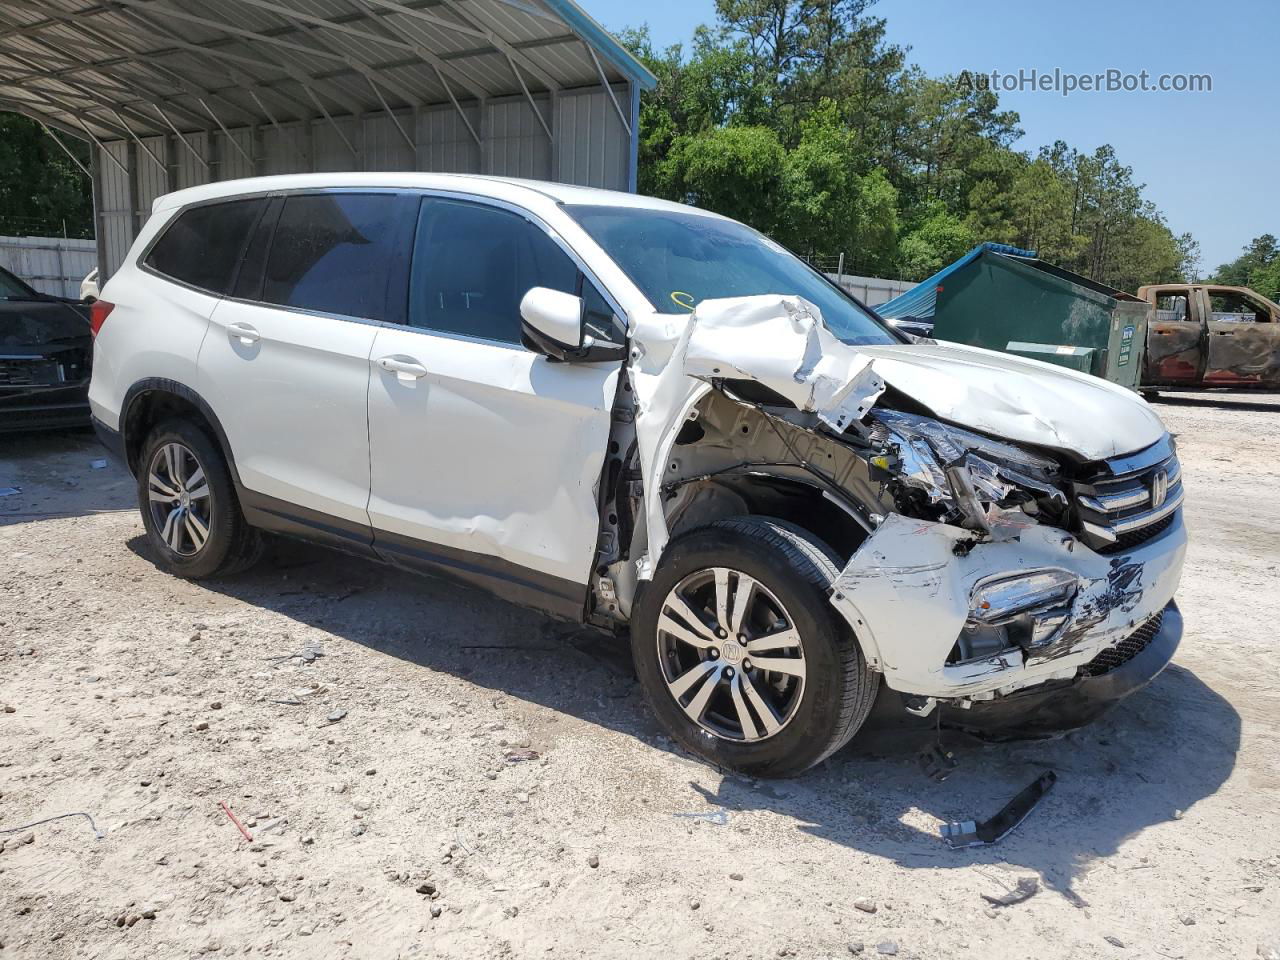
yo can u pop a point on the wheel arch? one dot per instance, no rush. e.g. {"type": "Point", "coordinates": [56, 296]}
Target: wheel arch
{"type": "Point", "coordinates": [152, 400]}
{"type": "Point", "coordinates": [792, 497]}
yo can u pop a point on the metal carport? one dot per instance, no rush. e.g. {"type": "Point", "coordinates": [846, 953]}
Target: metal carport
{"type": "Point", "coordinates": [175, 93]}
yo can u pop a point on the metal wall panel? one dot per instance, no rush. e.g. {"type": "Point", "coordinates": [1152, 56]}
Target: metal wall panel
{"type": "Point", "coordinates": [518, 146]}
{"type": "Point", "coordinates": [444, 143]}
{"type": "Point", "coordinates": [153, 179]}
{"type": "Point", "coordinates": [53, 265]}
{"type": "Point", "coordinates": [385, 147]}
{"type": "Point", "coordinates": [285, 149]}
{"type": "Point", "coordinates": [232, 163]}
{"type": "Point", "coordinates": [594, 149]}
{"type": "Point", "coordinates": [115, 210]}
{"type": "Point", "coordinates": [332, 154]}
{"type": "Point", "coordinates": [191, 172]}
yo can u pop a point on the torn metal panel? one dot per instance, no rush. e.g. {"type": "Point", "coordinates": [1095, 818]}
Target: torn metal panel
{"type": "Point", "coordinates": [777, 341]}
{"type": "Point", "coordinates": [907, 594]}
{"type": "Point", "coordinates": [781, 343]}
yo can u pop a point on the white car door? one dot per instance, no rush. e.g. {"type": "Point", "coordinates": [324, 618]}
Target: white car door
{"type": "Point", "coordinates": [485, 456]}
{"type": "Point", "coordinates": [285, 363]}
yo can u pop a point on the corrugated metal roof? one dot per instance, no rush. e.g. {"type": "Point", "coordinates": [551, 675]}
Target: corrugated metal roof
{"type": "Point", "coordinates": [919, 302]}
{"type": "Point", "coordinates": [122, 68]}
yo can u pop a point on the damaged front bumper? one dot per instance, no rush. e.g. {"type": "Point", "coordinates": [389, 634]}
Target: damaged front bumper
{"type": "Point", "coordinates": [1060, 705]}
{"type": "Point", "coordinates": [909, 591]}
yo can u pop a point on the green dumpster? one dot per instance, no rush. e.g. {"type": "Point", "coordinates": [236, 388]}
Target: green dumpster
{"type": "Point", "coordinates": [1006, 299]}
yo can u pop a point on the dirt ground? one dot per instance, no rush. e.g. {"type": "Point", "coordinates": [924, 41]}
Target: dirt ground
{"type": "Point", "coordinates": [358, 720]}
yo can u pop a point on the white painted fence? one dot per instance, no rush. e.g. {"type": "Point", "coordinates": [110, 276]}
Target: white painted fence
{"type": "Point", "coordinates": [50, 264]}
{"type": "Point", "coordinates": [872, 291]}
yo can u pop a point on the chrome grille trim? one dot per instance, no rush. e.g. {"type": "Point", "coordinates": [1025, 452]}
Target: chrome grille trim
{"type": "Point", "coordinates": [1109, 503]}
{"type": "Point", "coordinates": [1138, 521]}
{"type": "Point", "coordinates": [1114, 504]}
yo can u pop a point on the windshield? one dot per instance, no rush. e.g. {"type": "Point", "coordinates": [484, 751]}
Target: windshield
{"type": "Point", "coordinates": [11, 288]}
{"type": "Point", "coordinates": [680, 259]}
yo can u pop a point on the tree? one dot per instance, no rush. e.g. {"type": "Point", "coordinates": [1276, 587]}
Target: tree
{"type": "Point", "coordinates": [40, 187]}
{"type": "Point", "coordinates": [1258, 267]}
{"type": "Point", "coordinates": [737, 171]}
{"type": "Point", "coordinates": [829, 205]}
{"type": "Point", "coordinates": [939, 239]}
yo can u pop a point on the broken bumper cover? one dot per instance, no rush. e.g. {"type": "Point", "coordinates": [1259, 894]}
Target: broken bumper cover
{"type": "Point", "coordinates": [1061, 705]}
{"type": "Point", "coordinates": [907, 594]}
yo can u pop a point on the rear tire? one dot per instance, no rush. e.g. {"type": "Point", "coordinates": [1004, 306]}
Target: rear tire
{"type": "Point", "coordinates": [189, 505]}
{"type": "Point", "coordinates": [817, 690]}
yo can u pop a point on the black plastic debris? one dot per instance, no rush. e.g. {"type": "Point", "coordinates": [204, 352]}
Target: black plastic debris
{"type": "Point", "coordinates": [937, 762]}
{"type": "Point", "coordinates": [967, 833]}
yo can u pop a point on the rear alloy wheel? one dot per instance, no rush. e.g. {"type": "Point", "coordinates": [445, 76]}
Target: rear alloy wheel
{"type": "Point", "coordinates": [189, 504]}
{"type": "Point", "coordinates": [178, 494]}
{"type": "Point", "coordinates": [740, 652]}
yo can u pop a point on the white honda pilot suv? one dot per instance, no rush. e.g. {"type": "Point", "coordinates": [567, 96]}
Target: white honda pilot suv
{"type": "Point", "coordinates": [650, 418]}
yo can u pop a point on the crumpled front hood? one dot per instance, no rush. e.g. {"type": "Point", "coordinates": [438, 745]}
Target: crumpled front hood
{"type": "Point", "coordinates": [1025, 401]}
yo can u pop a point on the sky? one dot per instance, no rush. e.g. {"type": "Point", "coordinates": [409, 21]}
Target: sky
{"type": "Point", "coordinates": [1210, 161]}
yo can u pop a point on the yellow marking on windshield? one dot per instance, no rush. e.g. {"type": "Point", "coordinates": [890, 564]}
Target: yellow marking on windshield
{"type": "Point", "coordinates": [676, 298]}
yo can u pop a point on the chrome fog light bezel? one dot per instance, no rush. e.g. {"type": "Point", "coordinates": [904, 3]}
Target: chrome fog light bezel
{"type": "Point", "coordinates": [1025, 611]}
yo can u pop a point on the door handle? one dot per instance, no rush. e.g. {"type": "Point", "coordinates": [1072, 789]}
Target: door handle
{"type": "Point", "coordinates": [243, 332]}
{"type": "Point", "coordinates": [405, 368]}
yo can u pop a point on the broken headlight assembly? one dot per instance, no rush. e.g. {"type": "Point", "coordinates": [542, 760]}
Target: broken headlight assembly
{"type": "Point", "coordinates": [941, 472]}
{"type": "Point", "coordinates": [1028, 611]}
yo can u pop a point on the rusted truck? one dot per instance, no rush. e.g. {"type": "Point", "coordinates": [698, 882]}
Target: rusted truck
{"type": "Point", "coordinates": [1206, 335]}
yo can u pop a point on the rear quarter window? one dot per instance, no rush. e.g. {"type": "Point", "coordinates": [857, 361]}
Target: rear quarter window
{"type": "Point", "coordinates": [203, 245]}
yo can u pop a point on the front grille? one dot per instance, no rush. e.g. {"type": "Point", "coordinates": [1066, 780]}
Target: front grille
{"type": "Point", "coordinates": [1127, 541]}
{"type": "Point", "coordinates": [1129, 500]}
{"type": "Point", "coordinates": [1125, 650]}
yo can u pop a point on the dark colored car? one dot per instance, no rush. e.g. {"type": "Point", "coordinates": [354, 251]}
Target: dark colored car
{"type": "Point", "coordinates": [45, 353]}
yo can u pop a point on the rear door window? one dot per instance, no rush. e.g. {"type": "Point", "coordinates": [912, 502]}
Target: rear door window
{"type": "Point", "coordinates": [203, 245]}
{"type": "Point", "coordinates": [342, 253]}
{"type": "Point", "coordinates": [473, 264]}
{"type": "Point", "coordinates": [1232, 307]}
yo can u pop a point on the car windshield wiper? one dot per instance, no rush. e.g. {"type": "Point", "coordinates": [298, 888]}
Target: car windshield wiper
{"type": "Point", "coordinates": [35, 298]}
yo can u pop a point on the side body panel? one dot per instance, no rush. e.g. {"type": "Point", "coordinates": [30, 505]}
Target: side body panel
{"type": "Point", "coordinates": [1175, 339]}
{"type": "Point", "coordinates": [1243, 351]}
{"type": "Point", "coordinates": [490, 457]}
{"type": "Point", "coordinates": [155, 331]}
{"type": "Point", "coordinates": [290, 390]}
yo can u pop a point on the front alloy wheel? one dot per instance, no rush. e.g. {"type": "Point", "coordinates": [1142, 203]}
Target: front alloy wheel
{"type": "Point", "coordinates": [178, 496]}
{"type": "Point", "coordinates": [741, 654]}
{"type": "Point", "coordinates": [731, 655]}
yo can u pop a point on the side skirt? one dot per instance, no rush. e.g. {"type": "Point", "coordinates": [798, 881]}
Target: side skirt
{"type": "Point", "coordinates": [515, 584]}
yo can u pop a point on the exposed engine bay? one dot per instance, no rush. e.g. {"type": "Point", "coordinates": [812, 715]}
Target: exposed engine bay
{"type": "Point", "coordinates": [973, 565]}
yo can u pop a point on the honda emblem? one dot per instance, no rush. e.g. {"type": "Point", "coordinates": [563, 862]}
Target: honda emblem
{"type": "Point", "coordinates": [1159, 488]}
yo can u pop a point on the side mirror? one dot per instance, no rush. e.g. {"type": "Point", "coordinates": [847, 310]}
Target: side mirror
{"type": "Point", "coordinates": [551, 324]}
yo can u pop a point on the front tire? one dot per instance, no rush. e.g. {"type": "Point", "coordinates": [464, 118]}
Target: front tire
{"type": "Point", "coordinates": [740, 653]}
{"type": "Point", "coordinates": [189, 505]}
